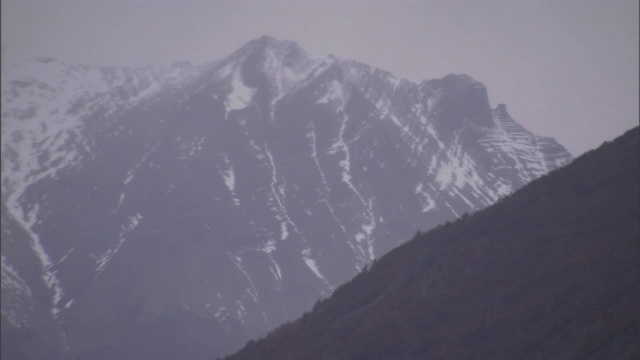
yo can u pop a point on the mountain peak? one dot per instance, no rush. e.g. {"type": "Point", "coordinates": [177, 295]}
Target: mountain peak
{"type": "Point", "coordinates": [268, 39]}
{"type": "Point", "coordinates": [259, 182]}
{"type": "Point", "coordinates": [270, 43]}
{"type": "Point", "coordinates": [458, 77]}
{"type": "Point", "coordinates": [280, 64]}
{"type": "Point", "coordinates": [501, 111]}
{"type": "Point", "coordinates": [269, 49]}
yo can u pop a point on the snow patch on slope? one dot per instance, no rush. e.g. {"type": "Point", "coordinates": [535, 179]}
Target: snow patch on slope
{"type": "Point", "coordinates": [334, 93]}
{"type": "Point", "coordinates": [278, 194]}
{"type": "Point", "coordinates": [252, 290]}
{"type": "Point", "coordinates": [103, 260]}
{"type": "Point", "coordinates": [313, 266]}
{"type": "Point", "coordinates": [324, 191]}
{"type": "Point", "coordinates": [51, 280]}
{"type": "Point", "coordinates": [240, 96]}
{"type": "Point", "coordinates": [364, 240]}
{"type": "Point", "coordinates": [427, 202]}
{"type": "Point", "coordinates": [228, 175]}
{"type": "Point", "coordinates": [15, 295]}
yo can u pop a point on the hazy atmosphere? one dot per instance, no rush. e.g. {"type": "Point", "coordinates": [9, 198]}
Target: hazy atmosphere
{"type": "Point", "coordinates": [567, 69]}
{"type": "Point", "coordinates": [249, 180]}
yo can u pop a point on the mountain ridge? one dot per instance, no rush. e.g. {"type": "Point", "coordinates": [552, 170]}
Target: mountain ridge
{"type": "Point", "coordinates": [236, 193]}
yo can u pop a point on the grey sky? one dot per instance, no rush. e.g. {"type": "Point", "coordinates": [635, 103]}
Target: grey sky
{"type": "Point", "coordinates": [565, 68]}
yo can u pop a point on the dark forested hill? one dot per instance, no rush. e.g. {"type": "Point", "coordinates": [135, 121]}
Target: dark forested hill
{"type": "Point", "coordinates": [552, 271]}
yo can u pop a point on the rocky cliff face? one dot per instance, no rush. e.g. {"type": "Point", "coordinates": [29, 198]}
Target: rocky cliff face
{"type": "Point", "coordinates": [174, 210]}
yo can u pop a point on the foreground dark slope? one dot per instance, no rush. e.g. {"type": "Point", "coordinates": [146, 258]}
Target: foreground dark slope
{"type": "Point", "coordinates": [552, 271]}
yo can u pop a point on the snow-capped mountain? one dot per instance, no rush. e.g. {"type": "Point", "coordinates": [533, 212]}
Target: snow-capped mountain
{"type": "Point", "coordinates": [184, 209]}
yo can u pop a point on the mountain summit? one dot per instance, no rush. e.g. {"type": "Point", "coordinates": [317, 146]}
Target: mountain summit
{"type": "Point", "coordinates": [179, 210]}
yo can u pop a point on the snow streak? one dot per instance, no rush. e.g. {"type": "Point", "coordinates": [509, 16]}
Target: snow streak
{"type": "Point", "coordinates": [340, 146]}
{"type": "Point", "coordinates": [103, 260]}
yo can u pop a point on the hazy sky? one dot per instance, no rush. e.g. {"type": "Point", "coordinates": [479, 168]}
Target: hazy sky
{"type": "Point", "coordinates": [565, 68]}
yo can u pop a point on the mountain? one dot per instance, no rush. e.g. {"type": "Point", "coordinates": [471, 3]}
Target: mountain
{"type": "Point", "coordinates": [550, 272]}
{"type": "Point", "coordinates": [177, 211]}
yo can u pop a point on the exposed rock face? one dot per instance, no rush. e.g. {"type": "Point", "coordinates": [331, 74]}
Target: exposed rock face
{"type": "Point", "coordinates": [182, 210]}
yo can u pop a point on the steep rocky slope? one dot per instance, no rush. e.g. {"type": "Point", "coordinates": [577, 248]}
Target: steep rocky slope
{"type": "Point", "coordinates": [185, 209]}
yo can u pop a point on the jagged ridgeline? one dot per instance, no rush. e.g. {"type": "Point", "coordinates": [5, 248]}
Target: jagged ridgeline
{"type": "Point", "coordinates": [552, 271]}
{"type": "Point", "coordinates": [178, 211]}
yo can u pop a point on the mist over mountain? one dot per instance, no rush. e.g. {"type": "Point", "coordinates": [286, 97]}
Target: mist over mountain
{"type": "Point", "coordinates": [179, 210]}
{"type": "Point", "coordinates": [550, 272]}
